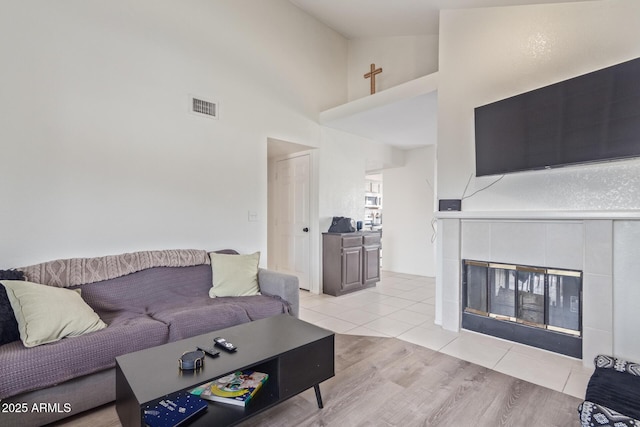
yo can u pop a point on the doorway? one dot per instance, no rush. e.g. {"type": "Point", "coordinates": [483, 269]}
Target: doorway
{"type": "Point", "coordinates": [292, 210]}
{"type": "Point", "coordinates": [292, 218]}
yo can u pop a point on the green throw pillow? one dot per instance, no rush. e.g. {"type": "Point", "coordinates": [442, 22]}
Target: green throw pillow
{"type": "Point", "coordinates": [234, 275]}
{"type": "Point", "coordinates": [46, 314]}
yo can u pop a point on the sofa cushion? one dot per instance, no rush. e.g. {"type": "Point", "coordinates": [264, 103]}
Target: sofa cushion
{"type": "Point", "coordinates": [234, 275]}
{"type": "Point", "coordinates": [178, 297]}
{"type": "Point", "coordinates": [152, 288]}
{"type": "Point", "coordinates": [8, 324]}
{"type": "Point", "coordinates": [616, 390]}
{"type": "Point", "coordinates": [25, 369]}
{"type": "Point", "coordinates": [46, 314]}
{"type": "Point", "coordinates": [188, 321]}
{"type": "Point", "coordinates": [202, 315]}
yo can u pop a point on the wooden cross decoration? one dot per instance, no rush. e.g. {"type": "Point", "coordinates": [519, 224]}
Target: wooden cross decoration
{"type": "Point", "coordinates": [372, 74]}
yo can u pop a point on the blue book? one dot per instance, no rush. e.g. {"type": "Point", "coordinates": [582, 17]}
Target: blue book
{"type": "Point", "coordinates": [174, 410]}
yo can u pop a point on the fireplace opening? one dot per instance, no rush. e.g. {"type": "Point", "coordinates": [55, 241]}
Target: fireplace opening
{"type": "Point", "coordinates": [536, 306]}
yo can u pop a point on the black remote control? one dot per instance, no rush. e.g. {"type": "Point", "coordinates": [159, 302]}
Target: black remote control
{"type": "Point", "coordinates": [211, 352]}
{"type": "Point", "coordinates": [224, 344]}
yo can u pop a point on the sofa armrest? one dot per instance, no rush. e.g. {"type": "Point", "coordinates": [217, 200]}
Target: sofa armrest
{"type": "Point", "coordinates": [620, 365]}
{"type": "Point", "coordinates": [591, 414]}
{"type": "Point", "coordinates": [279, 284]}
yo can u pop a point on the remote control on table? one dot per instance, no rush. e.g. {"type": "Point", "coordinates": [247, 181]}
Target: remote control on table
{"type": "Point", "coordinates": [211, 352]}
{"type": "Point", "coordinates": [224, 344]}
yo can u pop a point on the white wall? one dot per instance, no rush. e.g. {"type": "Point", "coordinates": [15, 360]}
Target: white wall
{"type": "Point", "coordinates": [381, 156]}
{"type": "Point", "coordinates": [626, 292]}
{"type": "Point", "coordinates": [342, 170]}
{"type": "Point", "coordinates": [402, 59]}
{"type": "Point", "coordinates": [99, 153]}
{"type": "Point", "coordinates": [408, 210]}
{"type": "Point", "coordinates": [493, 53]}
{"type": "Point", "coordinates": [344, 160]}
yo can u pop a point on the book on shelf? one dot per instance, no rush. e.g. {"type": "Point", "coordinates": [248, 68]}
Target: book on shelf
{"type": "Point", "coordinates": [174, 410]}
{"type": "Point", "coordinates": [237, 388]}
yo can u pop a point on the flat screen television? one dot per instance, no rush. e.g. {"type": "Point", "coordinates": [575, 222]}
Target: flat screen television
{"type": "Point", "coordinates": [590, 118]}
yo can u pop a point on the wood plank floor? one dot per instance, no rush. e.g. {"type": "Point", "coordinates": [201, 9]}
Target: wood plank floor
{"type": "Point", "coordinates": [390, 382]}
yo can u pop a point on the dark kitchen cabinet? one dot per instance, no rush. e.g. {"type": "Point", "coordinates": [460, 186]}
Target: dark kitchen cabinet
{"type": "Point", "coordinates": [350, 261]}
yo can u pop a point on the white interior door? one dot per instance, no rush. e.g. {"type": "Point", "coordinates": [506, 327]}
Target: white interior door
{"type": "Point", "coordinates": [292, 218]}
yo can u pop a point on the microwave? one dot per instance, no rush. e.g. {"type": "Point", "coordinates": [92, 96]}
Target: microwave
{"type": "Point", "coordinates": [373, 201]}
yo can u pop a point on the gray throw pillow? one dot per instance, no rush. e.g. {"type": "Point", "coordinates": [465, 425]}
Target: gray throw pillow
{"type": "Point", "coordinates": [8, 325]}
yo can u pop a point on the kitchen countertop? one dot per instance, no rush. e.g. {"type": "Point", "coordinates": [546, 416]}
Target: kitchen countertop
{"type": "Point", "coordinates": [358, 233]}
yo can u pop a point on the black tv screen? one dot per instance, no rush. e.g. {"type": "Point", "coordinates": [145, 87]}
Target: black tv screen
{"type": "Point", "coordinates": [590, 118]}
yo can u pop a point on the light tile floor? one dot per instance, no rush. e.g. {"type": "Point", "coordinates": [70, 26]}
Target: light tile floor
{"type": "Point", "coordinates": [403, 306]}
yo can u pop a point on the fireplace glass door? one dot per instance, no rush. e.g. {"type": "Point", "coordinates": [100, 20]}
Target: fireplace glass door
{"type": "Point", "coordinates": [531, 296]}
{"type": "Point", "coordinates": [564, 301]}
{"type": "Point", "coordinates": [477, 295]}
{"type": "Point", "coordinates": [537, 306]}
{"type": "Point", "coordinates": [502, 284]}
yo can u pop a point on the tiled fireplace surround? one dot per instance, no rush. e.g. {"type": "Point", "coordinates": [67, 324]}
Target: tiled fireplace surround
{"type": "Point", "coordinates": [592, 242]}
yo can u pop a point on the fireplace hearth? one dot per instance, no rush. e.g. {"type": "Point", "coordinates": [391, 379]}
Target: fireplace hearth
{"type": "Point", "coordinates": [537, 306]}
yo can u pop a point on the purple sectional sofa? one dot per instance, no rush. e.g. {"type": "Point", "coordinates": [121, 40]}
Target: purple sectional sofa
{"type": "Point", "coordinates": [160, 299]}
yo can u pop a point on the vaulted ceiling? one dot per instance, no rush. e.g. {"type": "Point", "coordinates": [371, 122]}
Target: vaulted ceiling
{"type": "Point", "coordinates": [382, 18]}
{"type": "Point", "coordinates": [407, 123]}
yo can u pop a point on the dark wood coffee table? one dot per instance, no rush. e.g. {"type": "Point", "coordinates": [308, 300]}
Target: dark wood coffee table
{"type": "Point", "coordinates": [295, 354]}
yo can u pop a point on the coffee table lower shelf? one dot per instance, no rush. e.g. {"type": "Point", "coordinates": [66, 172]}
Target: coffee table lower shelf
{"type": "Point", "coordinates": [298, 357]}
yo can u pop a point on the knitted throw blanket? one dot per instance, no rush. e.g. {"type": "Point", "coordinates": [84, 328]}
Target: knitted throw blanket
{"type": "Point", "coordinates": [64, 273]}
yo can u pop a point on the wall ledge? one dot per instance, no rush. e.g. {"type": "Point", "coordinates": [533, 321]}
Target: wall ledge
{"type": "Point", "coordinates": [540, 215]}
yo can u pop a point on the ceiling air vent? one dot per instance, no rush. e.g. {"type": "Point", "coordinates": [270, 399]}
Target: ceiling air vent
{"type": "Point", "coordinates": [203, 107]}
